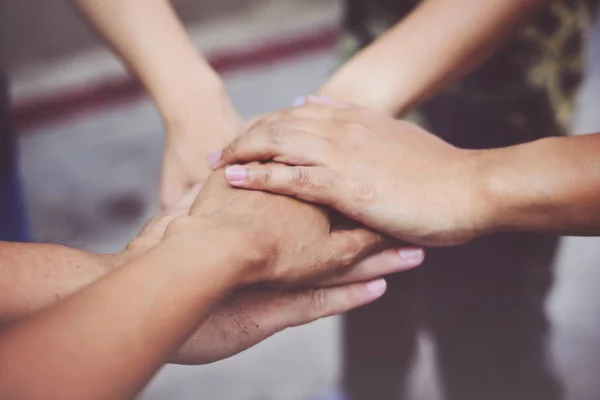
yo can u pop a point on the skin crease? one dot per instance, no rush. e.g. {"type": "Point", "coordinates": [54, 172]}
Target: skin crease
{"type": "Point", "coordinates": [399, 179]}
{"type": "Point", "coordinates": [199, 115]}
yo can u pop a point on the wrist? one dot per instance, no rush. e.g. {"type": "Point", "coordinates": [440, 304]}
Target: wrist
{"type": "Point", "coordinates": [520, 191]}
{"type": "Point", "coordinates": [510, 199]}
{"type": "Point", "coordinates": [192, 97]}
{"type": "Point", "coordinates": [484, 188]}
{"type": "Point", "coordinates": [367, 96]}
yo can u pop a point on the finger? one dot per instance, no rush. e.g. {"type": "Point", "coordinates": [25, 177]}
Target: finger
{"type": "Point", "coordinates": [348, 247]}
{"type": "Point", "coordinates": [285, 141]}
{"type": "Point", "coordinates": [298, 102]}
{"type": "Point", "coordinates": [312, 184]}
{"type": "Point", "coordinates": [251, 122]}
{"type": "Point", "coordinates": [304, 306]}
{"type": "Point", "coordinates": [314, 112]}
{"type": "Point", "coordinates": [158, 225]}
{"type": "Point", "coordinates": [276, 310]}
{"type": "Point", "coordinates": [254, 317]}
{"type": "Point", "coordinates": [183, 205]}
{"type": "Point", "coordinates": [309, 305]}
{"type": "Point", "coordinates": [319, 110]}
{"type": "Point", "coordinates": [384, 263]}
{"type": "Point", "coordinates": [322, 109]}
{"type": "Point", "coordinates": [329, 101]}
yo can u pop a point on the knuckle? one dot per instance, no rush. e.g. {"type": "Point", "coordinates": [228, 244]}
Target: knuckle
{"type": "Point", "coordinates": [300, 176]}
{"type": "Point", "coordinates": [276, 133]}
{"type": "Point", "coordinates": [362, 192]}
{"type": "Point", "coordinates": [364, 115]}
{"type": "Point", "coordinates": [259, 121]}
{"type": "Point", "coordinates": [264, 176]}
{"type": "Point", "coordinates": [231, 150]}
{"type": "Point", "coordinates": [324, 185]}
{"type": "Point", "coordinates": [318, 302]}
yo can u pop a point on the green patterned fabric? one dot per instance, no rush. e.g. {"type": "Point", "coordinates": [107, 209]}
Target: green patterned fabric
{"type": "Point", "coordinates": [545, 60]}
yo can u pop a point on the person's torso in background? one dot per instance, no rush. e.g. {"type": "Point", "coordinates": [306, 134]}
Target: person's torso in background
{"type": "Point", "coordinates": [546, 57]}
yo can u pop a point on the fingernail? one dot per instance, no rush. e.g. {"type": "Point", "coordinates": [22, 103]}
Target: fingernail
{"type": "Point", "coordinates": [412, 257]}
{"type": "Point", "coordinates": [214, 158]}
{"type": "Point", "coordinates": [377, 288]}
{"type": "Point", "coordinates": [300, 101]}
{"type": "Point", "coordinates": [236, 174]}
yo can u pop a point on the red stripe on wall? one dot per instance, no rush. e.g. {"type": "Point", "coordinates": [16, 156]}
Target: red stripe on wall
{"type": "Point", "coordinates": [43, 110]}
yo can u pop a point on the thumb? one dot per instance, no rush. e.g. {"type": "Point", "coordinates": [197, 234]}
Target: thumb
{"type": "Point", "coordinates": [384, 263]}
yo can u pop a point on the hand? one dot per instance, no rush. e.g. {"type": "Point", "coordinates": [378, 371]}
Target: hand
{"type": "Point", "coordinates": [213, 124]}
{"type": "Point", "coordinates": [249, 317]}
{"type": "Point", "coordinates": [288, 242]}
{"type": "Point", "coordinates": [252, 315]}
{"type": "Point", "coordinates": [389, 175]}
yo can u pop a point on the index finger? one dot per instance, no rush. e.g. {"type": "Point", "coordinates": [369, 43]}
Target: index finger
{"type": "Point", "coordinates": [294, 142]}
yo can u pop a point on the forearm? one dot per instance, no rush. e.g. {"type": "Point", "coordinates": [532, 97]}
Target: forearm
{"type": "Point", "coordinates": [34, 276]}
{"type": "Point", "coordinates": [151, 39]}
{"type": "Point", "coordinates": [440, 41]}
{"type": "Point", "coordinates": [551, 185]}
{"type": "Point", "coordinates": [108, 340]}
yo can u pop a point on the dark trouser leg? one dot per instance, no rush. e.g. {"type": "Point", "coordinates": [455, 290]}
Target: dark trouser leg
{"type": "Point", "coordinates": [486, 299]}
{"type": "Point", "coordinates": [14, 225]}
{"type": "Point", "coordinates": [486, 308]}
{"type": "Point", "coordinates": [380, 339]}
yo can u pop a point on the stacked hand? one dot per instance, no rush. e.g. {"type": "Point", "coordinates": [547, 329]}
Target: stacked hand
{"type": "Point", "coordinates": [389, 175]}
{"type": "Point", "coordinates": [213, 124]}
{"type": "Point", "coordinates": [291, 243]}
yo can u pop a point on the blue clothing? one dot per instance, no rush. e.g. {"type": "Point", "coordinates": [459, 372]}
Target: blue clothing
{"type": "Point", "coordinates": [14, 224]}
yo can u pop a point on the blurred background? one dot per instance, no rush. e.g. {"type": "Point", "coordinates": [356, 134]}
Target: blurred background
{"type": "Point", "coordinates": [91, 144]}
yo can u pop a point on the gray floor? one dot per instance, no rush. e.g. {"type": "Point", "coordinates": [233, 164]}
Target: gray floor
{"type": "Point", "coordinates": [86, 175]}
